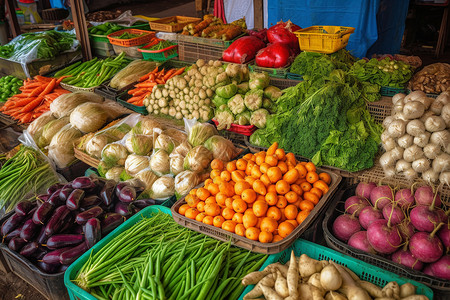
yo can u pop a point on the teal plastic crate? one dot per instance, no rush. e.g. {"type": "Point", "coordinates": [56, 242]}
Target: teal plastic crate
{"type": "Point", "coordinates": [273, 72]}
{"type": "Point", "coordinates": [75, 292]}
{"type": "Point", "coordinates": [294, 76]}
{"type": "Point", "coordinates": [364, 270]}
{"type": "Point", "coordinates": [122, 99]}
{"type": "Point", "coordinates": [390, 91]}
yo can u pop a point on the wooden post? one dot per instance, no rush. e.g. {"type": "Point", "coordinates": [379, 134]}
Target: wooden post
{"type": "Point", "coordinates": [258, 12]}
{"type": "Point", "coordinates": [13, 23]}
{"type": "Point", "coordinates": [79, 22]}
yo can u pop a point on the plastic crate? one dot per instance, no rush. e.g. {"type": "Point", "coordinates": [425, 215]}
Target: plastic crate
{"type": "Point", "coordinates": [273, 72]}
{"type": "Point", "coordinates": [390, 91]}
{"type": "Point", "coordinates": [131, 52]}
{"type": "Point", "coordinates": [74, 291]}
{"type": "Point", "coordinates": [122, 99]}
{"type": "Point", "coordinates": [143, 26]}
{"type": "Point", "coordinates": [364, 270]}
{"type": "Point", "coordinates": [73, 88]}
{"type": "Point", "coordinates": [324, 39]}
{"type": "Point", "coordinates": [137, 41]}
{"type": "Point", "coordinates": [335, 209]}
{"type": "Point", "coordinates": [159, 55]}
{"type": "Point", "coordinates": [50, 286]}
{"type": "Point", "coordinates": [163, 24]}
{"type": "Point", "coordinates": [108, 92]}
{"type": "Point", "coordinates": [283, 83]}
{"type": "Point", "coordinates": [294, 76]}
{"type": "Point", "coordinates": [256, 246]}
{"type": "Point", "coordinates": [379, 110]}
{"type": "Point", "coordinates": [241, 129]}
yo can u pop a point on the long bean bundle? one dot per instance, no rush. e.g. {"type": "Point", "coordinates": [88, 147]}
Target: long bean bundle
{"type": "Point", "coordinates": [158, 259]}
{"type": "Point", "coordinates": [27, 172]}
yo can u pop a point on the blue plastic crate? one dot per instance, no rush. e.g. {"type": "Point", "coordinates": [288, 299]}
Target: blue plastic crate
{"type": "Point", "coordinates": [391, 91]}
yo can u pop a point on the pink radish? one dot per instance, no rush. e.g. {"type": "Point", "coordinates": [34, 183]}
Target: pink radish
{"type": "Point", "coordinates": [426, 247]}
{"type": "Point", "coordinates": [441, 268]}
{"type": "Point", "coordinates": [428, 270]}
{"type": "Point", "coordinates": [354, 204]}
{"type": "Point", "coordinates": [369, 214]}
{"type": "Point", "coordinates": [359, 241]}
{"type": "Point", "coordinates": [345, 226]}
{"type": "Point", "coordinates": [406, 229]}
{"type": "Point", "coordinates": [404, 257]}
{"type": "Point", "coordinates": [364, 189]}
{"type": "Point", "coordinates": [383, 237]}
{"type": "Point", "coordinates": [381, 195]}
{"type": "Point", "coordinates": [424, 196]}
{"type": "Point", "coordinates": [425, 218]}
{"type": "Point", "coordinates": [394, 213]}
{"type": "Point", "coordinates": [404, 198]}
{"type": "Point", "coordinates": [444, 235]}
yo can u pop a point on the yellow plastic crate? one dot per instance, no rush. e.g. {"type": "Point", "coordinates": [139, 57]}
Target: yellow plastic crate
{"type": "Point", "coordinates": [323, 39]}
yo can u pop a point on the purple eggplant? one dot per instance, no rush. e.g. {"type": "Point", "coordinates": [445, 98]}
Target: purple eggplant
{"type": "Point", "coordinates": [29, 249]}
{"type": "Point", "coordinates": [69, 256]}
{"type": "Point", "coordinates": [48, 268]}
{"type": "Point", "coordinates": [42, 198]}
{"type": "Point", "coordinates": [85, 183]}
{"type": "Point", "coordinates": [143, 203]}
{"type": "Point", "coordinates": [57, 220]}
{"type": "Point", "coordinates": [111, 222]}
{"type": "Point", "coordinates": [65, 192]}
{"type": "Point", "coordinates": [29, 230]}
{"type": "Point", "coordinates": [12, 223]}
{"type": "Point", "coordinates": [77, 229]}
{"type": "Point", "coordinates": [127, 194]}
{"type": "Point", "coordinates": [134, 209]}
{"type": "Point", "coordinates": [92, 232]}
{"type": "Point", "coordinates": [23, 207]}
{"type": "Point", "coordinates": [120, 186]}
{"type": "Point", "coordinates": [107, 192]}
{"type": "Point", "coordinates": [122, 209]}
{"type": "Point", "coordinates": [40, 253]}
{"type": "Point", "coordinates": [54, 199]}
{"type": "Point", "coordinates": [42, 237]}
{"type": "Point", "coordinates": [64, 240]}
{"type": "Point", "coordinates": [12, 234]}
{"type": "Point", "coordinates": [54, 187]}
{"type": "Point", "coordinates": [62, 268]}
{"type": "Point", "coordinates": [93, 212]}
{"type": "Point", "coordinates": [52, 257]}
{"type": "Point", "coordinates": [43, 213]}
{"type": "Point", "coordinates": [68, 223]}
{"type": "Point", "coordinates": [89, 201]}
{"type": "Point", "coordinates": [73, 201]}
{"type": "Point", "coordinates": [30, 214]}
{"type": "Point", "coordinates": [16, 244]}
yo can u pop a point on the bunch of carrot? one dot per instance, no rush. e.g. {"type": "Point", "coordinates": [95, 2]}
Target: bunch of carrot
{"type": "Point", "coordinates": [35, 99]}
{"type": "Point", "coordinates": [148, 81]}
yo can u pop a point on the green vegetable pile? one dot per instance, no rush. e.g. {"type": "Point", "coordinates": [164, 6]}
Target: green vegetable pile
{"type": "Point", "coordinates": [9, 86]}
{"type": "Point", "coordinates": [385, 72]}
{"type": "Point", "coordinates": [104, 29]}
{"type": "Point", "coordinates": [93, 72]}
{"type": "Point", "coordinates": [161, 45]}
{"type": "Point", "coordinates": [127, 35]}
{"type": "Point", "coordinates": [328, 124]}
{"type": "Point", "coordinates": [26, 171]}
{"type": "Point", "coordinates": [48, 43]}
{"type": "Point", "coordinates": [158, 259]}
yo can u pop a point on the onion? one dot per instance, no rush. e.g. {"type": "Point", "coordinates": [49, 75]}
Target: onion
{"type": "Point", "coordinates": [397, 152]}
{"type": "Point", "coordinates": [445, 114]}
{"type": "Point", "coordinates": [414, 95]}
{"type": "Point", "coordinates": [385, 136]}
{"type": "Point", "coordinates": [404, 257]}
{"type": "Point", "coordinates": [354, 204]}
{"type": "Point", "coordinates": [430, 176]}
{"type": "Point", "coordinates": [434, 123]}
{"type": "Point", "coordinates": [424, 195]}
{"type": "Point", "coordinates": [389, 144]}
{"type": "Point", "coordinates": [405, 141]}
{"type": "Point", "coordinates": [383, 238]}
{"type": "Point", "coordinates": [393, 213]}
{"type": "Point", "coordinates": [397, 128]}
{"type": "Point", "coordinates": [436, 107]}
{"type": "Point", "coordinates": [400, 116]}
{"type": "Point", "coordinates": [441, 138]}
{"type": "Point", "coordinates": [402, 165]}
{"type": "Point", "coordinates": [369, 214]}
{"type": "Point", "coordinates": [406, 229]}
{"type": "Point", "coordinates": [444, 177]}
{"type": "Point", "coordinates": [425, 116]}
{"type": "Point", "coordinates": [421, 165]}
{"type": "Point", "coordinates": [441, 163]}
{"type": "Point", "coordinates": [398, 108]}
{"type": "Point", "coordinates": [404, 198]}
{"type": "Point", "coordinates": [398, 97]}
{"type": "Point", "coordinates": [364, 189]}
{"type": "Point", "coordinates": [359, 241]}
{"type": "Point", "coordinates": [389, 172]}
{"type": "Point", "coordinates": [388, 120]}
{"type": "Point", "coordinates": [425, 101]}
{"type": "Point", "coordinates": [441, 268]}
{"type": "Point", "coordinates": [381, 196]}
{"type": "Point", "coordinates": [422, 140]}
{"type": "Point", "coordinates": [387, 160]}
{"type": "Point", "coordinates": [412, 153]}
{"type": "Point", "coordinates": [345, 226]}
{"type": "Point", "coordinates": [415, 128]}
{"type": "Point", "coordinates": [413, 110]}
{"type": "Point", "coordinates": [410, 174]}
{"type": "Point", "coordinates": [443, 98]}
{"type": "Point", "coordinates": [425, 247]}
{"type": "Point", "coordinates": [431, 151]}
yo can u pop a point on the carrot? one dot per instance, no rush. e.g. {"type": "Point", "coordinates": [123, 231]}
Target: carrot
{"type": "Point", "coordinates": [145, 84]}
{"type": "Point", "coordinates": [151, 77]}
{"type": "Point", "coordinates": [178, 72]}
{"type": "Point", "coordinates": [22, 95]}
{"type": "Point", "coordinates": [159, 81]}
{"type": "Point", "coordinates": [145, 77]}
{"type": "Point", "coordinates": [31, 85]}
{"type": "Point", "coordinates": [38, 90]}
{"type": "Point", "coordinates": [134, 99]}
{"type": "Point", "coordinates": [140, 92]}
{"type": "Point", "coordinates": [61, 79]}
{"type": "Point", "coordinates": [131, 92]}
{"type": "Point", "coordinates": [167, 75]}
{"type": "Point", "coordinates": [42, 78]}
{"type": "Point", "coordinates": [26, 118]}
{"type": "Point", "coordinates": [49, 88]}
{"type": "Point", "coordinates": [33, 104]}
{"type": "Point", "coordinates": [23, 101]}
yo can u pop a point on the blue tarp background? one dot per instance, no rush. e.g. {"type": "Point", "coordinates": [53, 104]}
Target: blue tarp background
{"type": "Point", "coordinates": [386, 27]}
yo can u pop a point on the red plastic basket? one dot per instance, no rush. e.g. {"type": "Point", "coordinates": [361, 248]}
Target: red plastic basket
{"type": "Point", "coordinates": [241, 129]}
{"type": "Point", "coordinates": [137, 41]}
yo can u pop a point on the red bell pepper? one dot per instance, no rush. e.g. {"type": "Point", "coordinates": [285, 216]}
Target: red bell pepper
{"type": "Point", "coordinates": [283, 33]}
{"type": "Point", "coordinates": [243, 50]}
{"type": "Point", "coordinates": [275, 55]}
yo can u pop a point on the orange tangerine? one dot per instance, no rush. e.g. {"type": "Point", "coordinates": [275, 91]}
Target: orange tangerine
{"type": "Point", "coordinates": [252, 233]}
{"type": "Point", "coordinates": [248, 195]}
{"type": "Point", "coordinates": [239, 205]}
{"type": "Point", "coordinates": [228, 213]}
{"type": "Point", "coordinates": [218, 221]}
{"type": "Point", "coordinates": [229, 225]}
{"type": "Point", "coordinates": [268, 224]}
{"type": "Point", "coordinates": [208, 220]}
{"type": "Point", "coordinates": [265, 237]}
{"type": "Point", "coordinates": [238, 218]}
{"type": "Point", "coordinates": [285, 228]}
{"type": "Point", "coordinates": [249, 220]}
{"type": "Point", "coordinates": [212, 209]}
{"type": "Point", "coordinates": [239, 230]}
{"type": "Point", "coordinates": [183, 208]}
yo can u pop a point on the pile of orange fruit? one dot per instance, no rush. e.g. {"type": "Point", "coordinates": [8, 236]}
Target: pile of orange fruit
{"type": "Point", "coordinates": [261, 196]}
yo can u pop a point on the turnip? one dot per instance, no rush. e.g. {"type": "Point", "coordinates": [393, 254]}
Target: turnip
{"type": "Point", "coordinates": [427, 270]}
{"type": "Point", "coordinates": [345, 226]}
{"type": "Point", "coordinates": [444, 235]}
{"type": "Point", "coordinates": [426, 247]}
{"type": "Point", "coordinates": [441, 268]}
{"type": "Point", "coordinates": [393, 213]}
{"type": "Point", "coordinates": [354, 204]}
{"type": "Point", "coordinates": [369, 214]}
{"type": "Point", "coordinates": [404, 257]}
{"type": "Point", "coordinates": [406, 229]}
{"type": "Point", "coordinates": [404, 198]}
{"type": "Point", "coordinates": [381, 195]}
{"type": "Point", "coordinates": [423, 218]}
{"type": "Point", "coordinates": [424, 195]}
{"type": "Point", "coordinates": [364, 189]}
{"type": "Point", "coordinates": [359, 241]}
{"type": "Point", "coordinates": [383, 237]}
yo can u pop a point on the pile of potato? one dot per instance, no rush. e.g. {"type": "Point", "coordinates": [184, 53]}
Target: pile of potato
{"type": "Point", "coordinates": [433, 79]}
{"type": "Point", "coordinates": [307, 278]}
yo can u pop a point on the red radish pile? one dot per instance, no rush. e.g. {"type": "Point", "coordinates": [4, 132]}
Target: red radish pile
{"type": "Point", "coordinates": [409, 226]}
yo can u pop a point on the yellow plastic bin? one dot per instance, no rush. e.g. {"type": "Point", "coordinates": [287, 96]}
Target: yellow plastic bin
{"type": "Point", "coordinates": [324, 39]}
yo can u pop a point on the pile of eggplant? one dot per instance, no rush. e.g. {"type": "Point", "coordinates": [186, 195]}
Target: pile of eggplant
{"type": "Point", "coordinates": [53, 231]}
